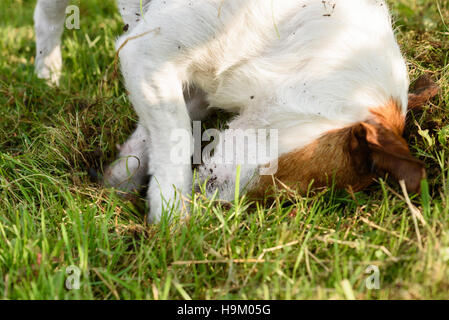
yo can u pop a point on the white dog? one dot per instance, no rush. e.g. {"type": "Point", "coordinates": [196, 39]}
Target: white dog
{"type": "Point", "coordinates": [328, 76]}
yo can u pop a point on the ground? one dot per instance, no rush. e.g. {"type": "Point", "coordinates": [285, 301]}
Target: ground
{"type": "Point", "coordinates": [53, 215]}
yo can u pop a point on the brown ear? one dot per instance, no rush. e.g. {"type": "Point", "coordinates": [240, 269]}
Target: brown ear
{"type": "Point", "coordinates": [390, 154]}
{"type": "Point", "coordinates": [423, 90]}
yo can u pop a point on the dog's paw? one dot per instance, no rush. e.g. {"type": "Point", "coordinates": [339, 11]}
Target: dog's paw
{"type": "Point", "coordinates": [127, 174]}
{"type": "Point", "coordinates": [49, 66]}
{"type": "Point", "coordinates": [168, 200]}
{"type": "Point", "coordinates": [52, 77]}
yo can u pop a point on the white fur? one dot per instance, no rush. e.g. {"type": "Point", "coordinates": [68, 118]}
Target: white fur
{"type": "Point", "coordinates": [303, 67]}
{"type": "Point", "coordinates": [49, 18]}
{"type": "Point", "coordinates": [130, 169]}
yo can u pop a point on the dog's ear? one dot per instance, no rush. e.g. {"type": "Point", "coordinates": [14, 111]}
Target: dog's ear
{"type": "Point", "coordinates": [390, 154]}
{"type": "Point", "coordinates": [423, 90]}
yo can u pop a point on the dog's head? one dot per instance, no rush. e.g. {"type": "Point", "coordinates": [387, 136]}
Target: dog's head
{"type": "Point", "coordinates": [352, 156]}
{"type": "Point", "coordinates": [379, 143]}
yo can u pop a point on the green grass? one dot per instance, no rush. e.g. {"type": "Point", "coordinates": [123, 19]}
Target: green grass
{"type": "Point", "coordinates": [317, 247]}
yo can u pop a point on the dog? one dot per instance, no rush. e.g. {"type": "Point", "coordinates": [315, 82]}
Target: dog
{"type": "Point", "coordinates": [327, 77]}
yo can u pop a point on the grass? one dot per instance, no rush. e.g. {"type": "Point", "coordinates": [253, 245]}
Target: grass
{"type": "Point", "coordinates": [318, 247]}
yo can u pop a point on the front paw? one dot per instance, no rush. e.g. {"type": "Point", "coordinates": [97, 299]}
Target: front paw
{"type": "Point", "coordinates": [155, 208]}
{"type": "Point", "coordinates": [127, 174]}
{"type": "Point", "coordinates": [48, 67]}
{"type": "Point", "coordinates": [167, 201]}
{"type": "Point", "coordinates": [52, 76]}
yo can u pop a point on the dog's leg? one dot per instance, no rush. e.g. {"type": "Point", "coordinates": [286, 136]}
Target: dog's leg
{"type": "Point", "coordinates": [156, 92]}
{"type": "Point", "coordinates": [49, 24]}
{"type": "Point", "coordinates": [157, 58]}
{"type": "Point", "coordinates": [129, 172]}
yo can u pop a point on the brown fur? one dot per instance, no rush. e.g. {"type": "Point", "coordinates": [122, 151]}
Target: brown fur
{"type": "Point", "coordinates": [390, 152]}
{"type": "Point", "coordinates": [423, 90]}
{"type": "Point", "coordinates": [351, 156]}
{"type": "Point", "coordinates": [338, 156]}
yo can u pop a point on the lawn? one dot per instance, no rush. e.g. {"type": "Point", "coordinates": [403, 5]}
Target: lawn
{"type": "Point", "coordinates": [324, 246]}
